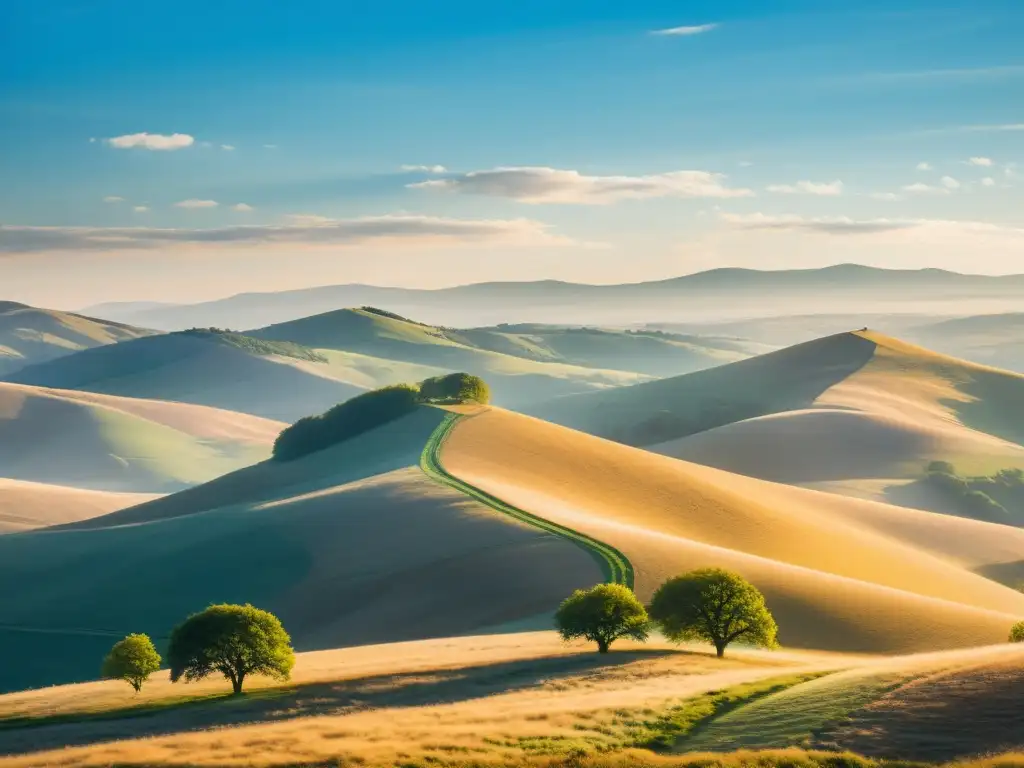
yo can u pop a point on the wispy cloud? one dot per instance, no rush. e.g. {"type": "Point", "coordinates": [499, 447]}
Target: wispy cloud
{"type": "Point", "coordinates": [685, 31]}
{"type": "Point", "coordinates": [194, 204]}
{"type": "Point", "coordinates": [242, 208]}
{"type": "Point", "coordinates": [982, 162]}
{"type": "Point", "coordinates": [398, 229]}
{"type": "Point", "coordinates": [270, 146]}
{"type": "Point", "coordinates": [962, 73]}
{"type": "Point", "coordinates": [141, 208]}
{"type": "Point", "coordinates": [988, 181]}
{"type": "Point", "coordinates": [228, 147]}
{"type": "Point", "coordinates": [924, 166]}
{"type": "Point", "coordinates": [838, 225]}
{"type": "Point", "coordinates": [113, 199]}
{"type": "Point", "coordinates": [153, 141]}
{"type": "Point", "coordinates": [924, 189]}
{"type": "Point", "coordinates": [423, 168]}
{"type": "Point", "coordinates": [826, 189]}
{"type": "Point", "coordinates": [981, 128]}
{"type": "Point", "coordinates": [887, 196]}
{"type": "Point", "coordinates": [950, 183]}
{"type": "Point", "coordinates": [538, 185]}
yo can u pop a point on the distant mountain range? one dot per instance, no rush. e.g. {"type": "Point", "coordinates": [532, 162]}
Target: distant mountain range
{"type": "Point", "coordinates": [716, 294]}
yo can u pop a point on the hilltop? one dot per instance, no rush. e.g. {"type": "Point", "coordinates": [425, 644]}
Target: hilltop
{"type": "Point", "coordinates": [718, 293]}
{"type": "Point", "coordinates": [858, 412]}
{"type": "Point", "coordinates": [100, 442]}
{"type": "Point", "coordinates": [29, 335]}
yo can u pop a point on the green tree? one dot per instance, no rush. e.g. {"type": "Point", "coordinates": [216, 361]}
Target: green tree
{"type": "Point", "coordinates": [133, 660]}
{"type": "Point", "coordinates": [715, 606]}
{"type": "Point", "coordinates": [456, 387]}
{"type": "Point", "coordinates": [235, 640]}
{"type": "Point", "coordinates": [941, 467]}
{"type": "Point", "coordinates": [602, 614]}
{"type": "Point", "coordinates": [1017, 632]}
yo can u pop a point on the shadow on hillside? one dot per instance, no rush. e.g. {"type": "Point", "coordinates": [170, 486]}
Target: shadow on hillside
{"type": "Point", "coordinates": [339, 698]}
{"type": "Point", "coordinates": [994, 405]}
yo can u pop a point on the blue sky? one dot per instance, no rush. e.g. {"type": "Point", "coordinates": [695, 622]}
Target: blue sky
{"type": "Point", "coordinates": [578, 140]}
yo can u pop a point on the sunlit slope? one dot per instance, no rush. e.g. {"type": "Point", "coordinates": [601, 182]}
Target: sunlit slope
{"type": "Point", "coordinates": [839, 573]}
{"type": "Point", "coordinates": [109, 443]}
{"type": "Point", "coordinates": [220, 370]}
{"type": "Point", "coordinates": [25, 505]}
{"type": "Point", "coordinates": [514, 376]}
{"type": "Point", "coordinates": [31, 335]}
{"type": "Point", "coordinates": [348, 546]}
{"type": "Point", "coordinates": [854, 405]}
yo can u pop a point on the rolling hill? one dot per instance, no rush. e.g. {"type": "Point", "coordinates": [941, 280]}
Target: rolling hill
{"type": "Point", "coordinates": [26, 505]}
{"type": "Point", "coordinates": [856, 412]}
{"type": "Point", "coordinates": [99, 442]}
{"type": "Point", "coordinates": [718, 294]}
{"type": "Point", "coordinates": [30, 335]}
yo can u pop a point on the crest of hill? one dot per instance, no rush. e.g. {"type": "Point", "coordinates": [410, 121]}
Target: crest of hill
{"type": "Point", "coordinates": [29, 335]}
{"type": "Point", "coordinates": [348, 546]}
{"type": "Point", "coordinates": [850, 406]}
{"type": "Point", "coordinates": [100, 442]}
{"type": "Point", "coordinates": [278, 380]}
{"type": "Point", "coordinates": [25, 505]}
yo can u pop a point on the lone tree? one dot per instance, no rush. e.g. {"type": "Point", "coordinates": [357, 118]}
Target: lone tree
{"type": "Point", "coordinates": [235, 640]}
{"type": "Point", "coordinates": [602, 614]}
{"type": "Point", "coordinates": [1017, 632]}
{"type": "Point", "coordinates": [715, 606]}
{"type": "Point", "coordinates": [455, 388]}
{"type": "Point", "coordinates": [133, 660]}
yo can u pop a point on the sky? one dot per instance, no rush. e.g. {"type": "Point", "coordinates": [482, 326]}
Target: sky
{"type": "Point", "coordinates": [187, 152]}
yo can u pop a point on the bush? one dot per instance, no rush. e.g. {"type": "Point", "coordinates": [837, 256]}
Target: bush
{"type": "Point", "coordinates": [715, 606]}
{"type": "Point", "coordinates": [457, 388]}
{"type": "Point", "coordinates": [133, 660]}
{"type": "Point", "coordinates": [602, 614]}
{"type": "Point", "coordinates": [1017, 632]}
{"type": "Point", "coordinates": [942, 467]}
{"type": "Point", "coordinates": [345, 421]}
{"type": "Point", "coordinates": [235, 640]}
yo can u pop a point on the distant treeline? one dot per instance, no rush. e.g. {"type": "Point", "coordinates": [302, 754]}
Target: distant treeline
{"type": "Point", "coordinates": [997, 498]}
{"type": "Point", "coordinates": [374, 409]}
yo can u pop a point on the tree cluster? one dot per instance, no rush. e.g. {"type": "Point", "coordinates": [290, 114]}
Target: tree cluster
{"type": "Point", "coordinates": [234, 640]}
{"type": "Point", "coordinates": [455, 388]}
{"type": "Point", "coordinates": [996, 498]}
{"type": "Point", "coordinates": [707, 605]}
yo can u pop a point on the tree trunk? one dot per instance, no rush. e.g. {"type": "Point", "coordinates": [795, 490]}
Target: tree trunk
{"type": "Point", "coordinates": [602, 646]}
{"type": "Point", "coordinates": [720, 649]}
{"type": "Point", "coordinates": [236, 683]}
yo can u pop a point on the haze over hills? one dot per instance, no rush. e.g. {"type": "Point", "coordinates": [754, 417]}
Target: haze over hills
{"type": "Point", "coordinates": [30, 335]}
{"type": "Point", "coordinates": [104, 443]}
{"type": "Point", "coordinates": [854, 407]}
{"type": "Point", "coordinates": [704, 296]}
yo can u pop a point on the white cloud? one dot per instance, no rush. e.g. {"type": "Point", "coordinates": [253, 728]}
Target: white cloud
{"type": "Point", "coordinates": [406, 230]}
{"type": "Point", "coordinates": [888, 196]}
{"type": "Point", "coordinates": [988, 181]}
{"type": "Point", "coordinates": [828, 189]}
{"type": "Point", "coordinates": [685, 31]}
{"type": "Point", "coordinates": [113, 199]}
{"type": "Point", "coordinates": [924, 166]}
{"type": "Point", "coordinates": [92, 139]}
{"type": "Point", "coordinates": [423, 168]}
{"type": "Point", "coordinates": [242, 208]}
{"type": "Point", "coordinates": [227, 147]}
{"type": "Point", "coordinates": [837, 225]}
{"type": "Point", "coordinates": [140, 208]}
{"type": "Point", "coordinates": [154, 141]}
{"type": "Point", "coordinates": [924, 189]}
{"type": "Point", "coordinates": [949, 182]}
{"type": "Point", "coordinates": [983, 162]}
{"type": "Point", "coordinates": [193, 203]}
{"type": "Point", "coordinates": [537, 185]}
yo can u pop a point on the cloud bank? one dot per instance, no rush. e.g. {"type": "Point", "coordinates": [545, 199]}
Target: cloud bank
{"type": "Point", "coordinates": [539, 185]}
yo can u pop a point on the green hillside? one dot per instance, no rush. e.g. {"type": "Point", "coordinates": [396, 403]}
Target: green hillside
{"type": "Point", "coordinates": [29, 335]}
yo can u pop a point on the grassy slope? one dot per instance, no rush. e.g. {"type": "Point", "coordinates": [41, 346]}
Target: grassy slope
{"type": "Point", "coordinates": [353, 545]}
{"type": "Point", "coordinates": [847, 407]}
{"type": "Point", "coordinates": [29, 335]}
{"type": "Point", "coordinates": [205, 369]}
{"type": "Point", "coordinates": [121, 444]}
{"type": "Point", "coordinates": [27, 505]}
{"type": "Point", "coordinates": [517, 371]}
{"type": "Point", "coordinates": [839, 573]}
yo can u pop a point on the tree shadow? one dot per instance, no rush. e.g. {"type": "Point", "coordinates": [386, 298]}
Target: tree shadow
{"type": "Point", "coordinates": [445, 686]}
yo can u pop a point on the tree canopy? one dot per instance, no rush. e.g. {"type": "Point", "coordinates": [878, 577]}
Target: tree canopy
{"type": "Point", "coordinates": [602, 614]}
{"type": "Point", "coordinates": [715, 606]}
{"type": "Point", "coordinates": [344, 421]}
{"type": "Point", "coordinates": [456, 387]}
{"type": "Point", "coordinates": [133, 660]}
{"type": "Point", "coordinates": [235, 640]}
{"type": "Point", "coordinates": [1017, 632]}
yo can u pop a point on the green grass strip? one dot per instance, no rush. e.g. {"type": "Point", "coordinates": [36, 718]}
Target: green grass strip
{"type": "Point", "coordinates": [615, 566]}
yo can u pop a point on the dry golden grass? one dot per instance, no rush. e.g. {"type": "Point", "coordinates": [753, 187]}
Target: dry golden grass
{"type": "Point", "coordinates": [485, 697]}
{"type": "Point", "coordinates": [838, 573]}
{"type": "Point", "coordinates": [26, 505]}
